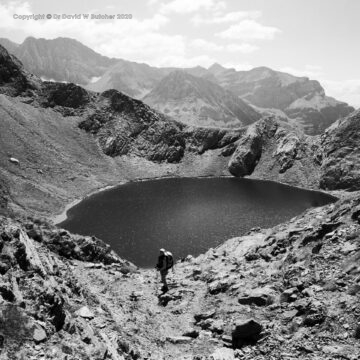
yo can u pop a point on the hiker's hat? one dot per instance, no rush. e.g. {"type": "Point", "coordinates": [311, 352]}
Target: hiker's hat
{"type": "Point", "coordinates": [162, 250]}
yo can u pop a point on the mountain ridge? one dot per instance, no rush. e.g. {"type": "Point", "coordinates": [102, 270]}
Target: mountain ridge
{"type": "Point", "coordinates": [197, 101]}
{"type": "Point", "coordinates": [302, 100]}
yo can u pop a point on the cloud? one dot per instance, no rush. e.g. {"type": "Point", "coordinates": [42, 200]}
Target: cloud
{"type": "Point", "coordinates": [208, 46]}
{"type": "Point", "coordinates": [244, 48]}
{"type": "Point", "coordinates": [201, 44]}
{"type": "Point", "coordinates": [191, 6]}
{"type": "Point", "coordinates": [137, 40]}
{"type": "Point", "coordinates": [238, 66]}
{"type": "Point", "coordinates": [249, 30]}
{"type": "Point", "coordinates": [225, 18]}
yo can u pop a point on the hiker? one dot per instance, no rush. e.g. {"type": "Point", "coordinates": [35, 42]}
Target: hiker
{"type": "Point", "coordinates": [165, 262]}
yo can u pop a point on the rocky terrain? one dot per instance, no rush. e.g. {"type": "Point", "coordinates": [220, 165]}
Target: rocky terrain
{"type": "Point", "coordinates": [200, 102]}
{"type": "Point", "coordinates": [282, 293]}
{"type": "Point", "coordinates": [297, 99]}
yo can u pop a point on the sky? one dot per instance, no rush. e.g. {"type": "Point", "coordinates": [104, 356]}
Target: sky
{"type": "Point", "coordinates": [313, 38]}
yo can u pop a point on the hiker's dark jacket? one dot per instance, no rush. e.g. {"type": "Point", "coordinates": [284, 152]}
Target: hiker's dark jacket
{"type": "Point", "coordinates": [161, 264]}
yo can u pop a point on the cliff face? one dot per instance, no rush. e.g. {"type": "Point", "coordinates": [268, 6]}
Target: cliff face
{"type": "Point", "coordinates": [273, 150]}
{"type": "Point", "coordinates": [340, 143]}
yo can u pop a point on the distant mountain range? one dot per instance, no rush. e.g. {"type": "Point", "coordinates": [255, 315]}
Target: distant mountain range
{"type": "Point", "coordinates": [198, 101]}
{"type": "Point", "coordinates": [216, 96]}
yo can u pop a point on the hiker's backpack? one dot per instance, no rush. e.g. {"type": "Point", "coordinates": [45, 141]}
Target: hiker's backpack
{"type": "Point", "coordinates": [169, 260]}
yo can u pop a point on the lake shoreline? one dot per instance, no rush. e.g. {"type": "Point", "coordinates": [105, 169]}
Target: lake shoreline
{"type": "Point", "coordinates": [57, 219]}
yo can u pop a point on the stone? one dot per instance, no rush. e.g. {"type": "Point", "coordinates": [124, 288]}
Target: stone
{"type": "Point", "coordinates": [85, 312]}
{"type": "Point", "coordinates": [246, 332]}
{"type": "Point", "coordinates": [39, 334]}
{"type": "Point", "coordinates": [289, 315]}
{"type": "Point", "coordinates": [223, 354]}
{"type": "Point", "coordinates": [192, 333]}
{"type": "Point", "coordinates": [205, 315]}
{"type": "Point", "coordinates": [288, 295]}
{"type": "Point", "coordinates": [14, 161]}
{"type": "Point", "coordinates": [179, 339]}
{"type": "Point", "coordinates": [258, 297]}
{"type": "Point", "coordinates": [218, 286]}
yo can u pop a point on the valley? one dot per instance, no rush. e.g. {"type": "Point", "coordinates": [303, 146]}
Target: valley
{"type": "Point", "coordinates": [278, 293]}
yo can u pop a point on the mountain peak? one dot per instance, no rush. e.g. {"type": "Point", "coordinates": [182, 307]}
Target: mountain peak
{"type": "Point", "coordinates": [216, 67]}
{"type": "Point", "coordinates": [197, 101]}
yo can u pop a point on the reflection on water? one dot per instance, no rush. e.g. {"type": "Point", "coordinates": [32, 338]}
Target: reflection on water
{"type": "Point", "coordinates": [186, 216]}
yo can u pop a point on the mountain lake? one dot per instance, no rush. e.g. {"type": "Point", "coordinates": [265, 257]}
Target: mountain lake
{"type": "Point", "coordinates": [185, 215]}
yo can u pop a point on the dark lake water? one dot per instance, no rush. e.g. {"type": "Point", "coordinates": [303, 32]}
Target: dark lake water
{"type": "Point", "coordinates": [185, 216]}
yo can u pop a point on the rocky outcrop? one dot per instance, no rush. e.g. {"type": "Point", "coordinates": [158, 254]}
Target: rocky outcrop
{"type": "Point", "coordinates": [127, 126]}
{"type": "Point", "coordinates": [273, 150]}
{"type": "Point", "coordinates": [42, 299]}
{"type": "Point", "coordinates": [340, 144]}
{"type": "Point", "coordinates": [197, 101]}
{"type": "Point", "coordinates": [14, 80]}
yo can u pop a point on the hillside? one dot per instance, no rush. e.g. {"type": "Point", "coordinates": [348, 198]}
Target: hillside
{"type": "Point", "coordinates": [197, 101]}
{"type": "Point", "coordinates": [69, 141]}
{"type": "Point", "coordinates": [274, 293]}
{"type": "Point", "coordinates": [299, 99]}
{"type": "Point", "coordinates": [273, 150]}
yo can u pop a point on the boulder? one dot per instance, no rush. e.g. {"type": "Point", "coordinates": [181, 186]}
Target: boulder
{"type": "Point", "coordinates": [218, 286]}
{"type": "Point", "coordinates": [192, 333]}
{"type": "Point", "coordinates": [258, 297]}
{"type": "Point", "coordinates": [39, 334]}
{"type": "Point", "coordinates": [85, 312]}
{"type": "Point", "coordinates": [14, 161]}
{"type": "Point", "coordinates": [223, 354]}
{"type": "Point", "coordinates": [246, 332]}
{"type": "Point", "coordinates": [247, 154]}
{"type": "Point", "coordinates": [205, 315]}
{"type": "Point", "coordinates": [179, 339]}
